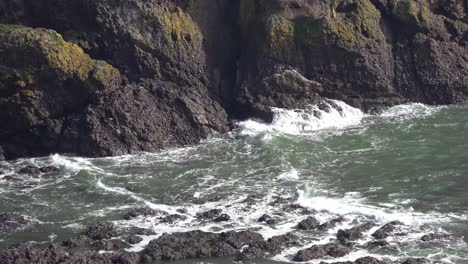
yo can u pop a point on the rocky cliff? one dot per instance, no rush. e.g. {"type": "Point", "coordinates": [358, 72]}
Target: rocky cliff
{"type": "Point", "coordinates": [109, 77]}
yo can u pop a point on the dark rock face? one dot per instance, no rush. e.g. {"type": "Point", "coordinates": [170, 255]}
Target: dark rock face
{"type": "Point", "coordinates": [367, 53]}
{"type": "Point", "coordinates": [353, 233]}
{"type": "Point", "coordinates": [386, 230]}
{"type": "Point", "coordinates": [92, 109]}
{"type": "Point", "coordinates": [101, 231]}
{"type": "Point", "coordinates": [320, 251]}
{"type": "Point", "coordinates": [310, 223]}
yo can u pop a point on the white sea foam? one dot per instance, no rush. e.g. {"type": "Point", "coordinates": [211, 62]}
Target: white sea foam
{"type": "Point", "coordinates": [290, 175]}
{"type": "Point", "coordinates": [356, 207]}
{"type": "Point", "coordinates": [326, 115]}
{"type": "Point", "coordinates": [411, 110]}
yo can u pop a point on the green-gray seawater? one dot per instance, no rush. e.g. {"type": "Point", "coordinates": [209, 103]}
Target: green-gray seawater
{"type": "Point", "coordinates": [409, 164]}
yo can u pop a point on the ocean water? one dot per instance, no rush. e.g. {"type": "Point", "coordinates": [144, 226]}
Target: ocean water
{"type": "Point", "coordinates": [409, 163]}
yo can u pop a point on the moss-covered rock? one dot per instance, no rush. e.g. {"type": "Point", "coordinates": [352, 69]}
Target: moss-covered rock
{"type": "Point", "coordinates": [32, 54]}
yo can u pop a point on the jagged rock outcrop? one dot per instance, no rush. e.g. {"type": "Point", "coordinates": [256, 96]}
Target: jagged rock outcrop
{"type": "Point", "coordinates": [369, 53]}
{"type": "Point", "coordinates": [180, 67]}
{"type": "Point", "coordinates": [159, 99]}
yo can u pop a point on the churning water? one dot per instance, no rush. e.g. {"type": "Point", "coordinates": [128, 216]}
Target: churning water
{"type": "Point", "coordinates": [409, 163]}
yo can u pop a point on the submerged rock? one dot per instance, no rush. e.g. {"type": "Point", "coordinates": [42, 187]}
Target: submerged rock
{"type": "Point", "coordinates": [136, 212]}
{"type": "Point", "coordinates": [173, 218]}
{"type": "Point", "coordinates": [377, 244]}
{"type": "Point", "coordinates": [320, 251]}
{"type": "Point", "coordinates": [11, 221]}
{"type": "Point", "coordinates": [32, 170]}
{"type": "Point", "coordinates": [435, 236]}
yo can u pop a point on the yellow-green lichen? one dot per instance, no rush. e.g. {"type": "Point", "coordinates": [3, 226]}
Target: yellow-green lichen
{"type": "Point", "coordinates": [280, 33]}
{"type": "Point", "coordinates": [179, 27]}
{"type": "Point", "coordinates": [358, 28]}
{"type": "Point", "coordinates": [417, 13]}
{"type": "Point", "coordinates": [43, 47]}
{"type": "Point", "coordinates": [20, 83]}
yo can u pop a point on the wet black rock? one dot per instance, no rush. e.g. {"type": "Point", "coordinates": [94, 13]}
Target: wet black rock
{"type": "Point", "coordinates": [330, 224]}
{"type": "Point", "coordinates": [253, 198]}
{"type": "Point", "coordinates": [377, 244]}
{"type": "Point", "coordinates": [272, 246]}
{"type": "Point", "coordinates": [48, 169]}
{"type": "Point", "coordinates": [222, 218]}
{"type": "Point", "coordinates": [80, 241]}
{"type": "Point", "coordinates": [310, 223]}
{"type": "Point", "coordinates": [56, 254]}
{"type": "Point", "coordinates": [353, 233]}
{"type": "Point", "coordinates": [320, 251]}
{"type": "Point", "coordinates": [32, 170]}
{"type": "Point", "coordinates": [101, 231]}
{"type": "Point", "coordinates": [173, 218]}
{"type": "Point", "coordinates": [145, 232]}
{"type": "Point", "coordinates": [197, 244]}
{"type": "Point", "coordinates": [386, 230]}
{"type": "Point", "coordinates": [415, 261]}
{"type": "Point", "coordinates": [11, 221]}
{"type": "Point", "coordinates": [268, 219]}
{"type": "Point", "coordinates": [368, 260]}
{"type": "Point", "coordinates": [136, 212]}
{"type": "Point", "coordinates": [134, 239]}
{"type": "Point", "coordinates": [435, 236]}
{"type": "Point", "coordinates": [211, 214]}
{"type": "Point", "coordinates": [30, 254]}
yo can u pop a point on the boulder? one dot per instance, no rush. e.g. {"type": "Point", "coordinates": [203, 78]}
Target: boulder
{"type": "Point", "coordinates": [198, 244]}
{"type": "Point", "coordinates": [321, 251]}
{"type": "Point", "coordinates": [354, 233]}
{"type": "Point", "coordinates": [101, 231]}
{"type": "Point", "coordinates": [310, 223]}
{"type": "Point", "coordinates": [386, 230]}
